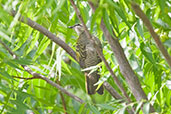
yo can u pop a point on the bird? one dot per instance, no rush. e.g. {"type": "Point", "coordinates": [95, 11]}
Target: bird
{"type": "Point", "coordinates": [88, 57]}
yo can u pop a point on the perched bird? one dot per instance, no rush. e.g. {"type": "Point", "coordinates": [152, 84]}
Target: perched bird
{"type": "Point", "coordinates": [87, 57]}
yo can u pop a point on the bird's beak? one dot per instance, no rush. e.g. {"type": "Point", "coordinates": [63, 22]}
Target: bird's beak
{"type": "Point", "coordinates": [71, 27]}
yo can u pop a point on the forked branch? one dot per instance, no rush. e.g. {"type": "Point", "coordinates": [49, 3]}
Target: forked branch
{"type": "Point", "coordinates": [37, 75]}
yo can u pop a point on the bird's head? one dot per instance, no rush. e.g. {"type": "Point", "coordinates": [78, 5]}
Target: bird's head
{"type": "Point", "coordinates": [78, 28]}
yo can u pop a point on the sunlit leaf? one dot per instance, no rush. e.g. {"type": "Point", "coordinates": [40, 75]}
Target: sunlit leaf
{"type": "Point", "coordinates": [93, 109]}
{"type": "Point", "coordinates": [105, 106]}
{"type": "Point", "coordinates": [5, 74]}
{"type": "Point", "coordinates": [43, 45]}
{"type": "Point", "coordinates": [146, 108]}
{"type": "Point", "coordinates": [168, 43]}
{"type": "Point", "coordinates": [147, 52]}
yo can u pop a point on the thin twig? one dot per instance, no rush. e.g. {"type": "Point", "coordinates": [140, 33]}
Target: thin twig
{"type": "Point", "coordinates": [62, 97]}
{"type": "Point", "coordinates": [8, 49]}
{"type": "Point", "coordinates": [100, 53]}
{"type": "Point", "coordinates": [37, 75]}
{"type": "Point", "coordinates": [26, 78]}
{"type": "Point", "coordinates": [156, 38]}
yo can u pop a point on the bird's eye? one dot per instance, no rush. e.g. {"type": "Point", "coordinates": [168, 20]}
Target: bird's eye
{"type": "Point", "coordinates": [79, 25]}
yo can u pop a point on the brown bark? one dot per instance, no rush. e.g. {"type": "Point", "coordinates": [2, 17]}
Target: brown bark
{"type": "Point", "coordinates": [120, 86]}
{"type": "Point", "coordinates": [124, 65]}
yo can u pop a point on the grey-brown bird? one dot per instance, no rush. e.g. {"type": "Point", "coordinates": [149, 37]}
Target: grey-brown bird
{"type": "Point", "coordinates": [88, 57]}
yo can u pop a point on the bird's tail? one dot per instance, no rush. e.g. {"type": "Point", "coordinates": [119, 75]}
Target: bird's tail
{"type": "Point", "coordinates": [92, 79]}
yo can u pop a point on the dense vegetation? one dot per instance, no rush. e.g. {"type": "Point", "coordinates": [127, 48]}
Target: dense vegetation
{"type": "Point", "coordinates": [39, 72]}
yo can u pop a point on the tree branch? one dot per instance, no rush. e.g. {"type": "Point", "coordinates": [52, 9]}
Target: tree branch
{"type": "Point", "coordinates": [26, 78]}
{"type": "Point", "coordinates": [149, 26]}
{"type": "Point", "coordinates": [62, 98]}
{"type": "Point", "coordinates": [47, 33]}
{"type": "Point", "coordinates": [100, 53]}
{"type": "Point", "coordinates": [124, 65]}
{"type": "Point", "coordinates": [112, 91]}
{"type": "Point", "coordinates": [37, 75]}
{"type": "Point", "coordinates": [59, 42]}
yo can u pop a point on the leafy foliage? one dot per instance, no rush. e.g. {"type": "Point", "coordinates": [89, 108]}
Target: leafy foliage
{"type": "Point", "coordinates": [43, 56]}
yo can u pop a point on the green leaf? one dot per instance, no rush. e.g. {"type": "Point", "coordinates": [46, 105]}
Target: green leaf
{"type": "Point", "coordinates": [118, 8]}
{"type": "Point", "coordinates": [96, 18]}
{"type": "Point", "coordinates": [139, 106]}
{"type": "Point", "coordinates": [168, 43]}
{"type": "Point", "coordinates": [4, 73]}
{"type": "Point", "coordinates": [164, 25]}
{"type": "Point", "coordinates": [81, 108]}
{"type": "Point", "coordinates": [114, 20]}
{"type": "Point", "coordinates": [33, 40]}
{"type": "Point", "coordinates": [4, 90]}
{"type": "Point", "coordinates": [121, 111]}
{"type": "Point", "coordinates": [107, 23]}
{"type": "Point", "coordinates": [21, 50]}
{"type": "Point", "coordinates": [168, 97]}
{"type": "Point", "coordinates": [146, 51]}
{"type": "Point", "coordinates": [6, 100]}
{"type": "Point", "coordinates": [22, 61]}
{"type": "Point", "coordinates": [106, 106]}
{"type": "Point", "coordinates": [59, 55]}
{"type": "Point", "coordinates": [52, 54]}
{"type": "Point", "coordinates": [60, 4]}
{"type": "Point", "coordinates": [12, 64]}
{"type": "Point", "coordinates": [146, 108]}
{"type": "Point", "coordinates": [162, 4]}
{"type": "Point", "coordinates": [43, 45]}
{"type": "Point", "coordinates": [5, 36]}
{"type": "Point", "coordinates": [140, 30]}
{"type": "Point", "coordinates": [93, 109]}
{"type": "Point", "coordinates": [90, 68]}
{"type": "Point", "coordinates": [4, 16]}
{"type": "Point", "coordinates": [3, 53]}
